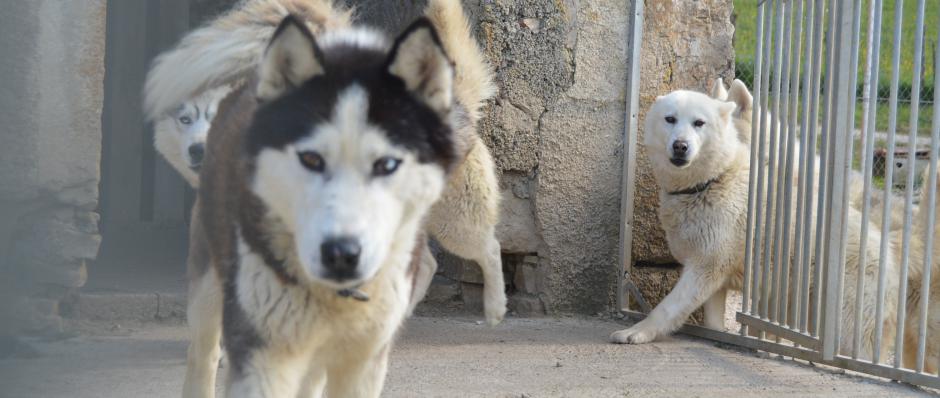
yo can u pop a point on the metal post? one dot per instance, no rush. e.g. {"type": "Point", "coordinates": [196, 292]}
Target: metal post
{"type": "Point", "coordinates": [909, 191]}
{"type": "Point", "coordinates": [628, 188]}
{"type": "Point", "coordinates": [871, 84]}
{"type": "Point", "coordinates": [839, 166]}
{"type": "Point", "coordinates": [752, 177]}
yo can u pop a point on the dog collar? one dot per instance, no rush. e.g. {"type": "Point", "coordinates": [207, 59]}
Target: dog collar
{"type": "Point", "coordinates": [695, 189]}
{"type": "Point", "coordinates": [355, 293]}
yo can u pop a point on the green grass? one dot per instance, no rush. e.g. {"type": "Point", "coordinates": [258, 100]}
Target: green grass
{"type": "Point", "coordinates": [745, 38]}
{"type": "Point", "coordinates": [745, 42]}
{"type": "Point", "coordinates": [924, 118]}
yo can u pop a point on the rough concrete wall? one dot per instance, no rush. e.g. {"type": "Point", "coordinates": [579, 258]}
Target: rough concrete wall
{"type": "Point", "coordinates": [555, 130]}
{"type": "Point", "coordinates": [51, 134]}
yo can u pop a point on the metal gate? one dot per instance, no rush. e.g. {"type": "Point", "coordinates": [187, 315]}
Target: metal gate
{"type": "Point", "coordinates": [839, 254]}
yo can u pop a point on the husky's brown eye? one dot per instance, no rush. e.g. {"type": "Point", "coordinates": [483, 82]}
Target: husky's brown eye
{"type": "Point", "coordinates": [385, 166]}
{"type": "Point", "coordinates": [671, 119]}
{"type": "Point", "coordinates": [698, 123]}
{"type": "Point", "coordinates": [312, 161]}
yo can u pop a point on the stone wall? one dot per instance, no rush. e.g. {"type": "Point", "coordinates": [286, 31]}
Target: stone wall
{"type": "Point", "coordinates": [51, 135]}
{"type": "Point", "coordinates": [556, 128]}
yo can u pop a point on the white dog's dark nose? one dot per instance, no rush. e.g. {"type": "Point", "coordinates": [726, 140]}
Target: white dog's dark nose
{"type": "Point", "coordinates": [680, 149]}
{"type": "Point", "coordinates": [340, 256]}
{"type": "Point", "coordinates": [196, 153]}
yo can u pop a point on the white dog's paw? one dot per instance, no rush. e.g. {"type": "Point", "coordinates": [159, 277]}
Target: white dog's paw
{"type": "Point", "coordinates": [632, 335]}
{"type": "Point", "coordinates": [495, 310]}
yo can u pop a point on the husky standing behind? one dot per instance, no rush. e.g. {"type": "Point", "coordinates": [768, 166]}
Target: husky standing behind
{"type": "Point", "coordinates": [265, 200]}
{"type": "Point", "coordinates": [180, 136]}
{"type": "Point", "coordinates": [702, 167]}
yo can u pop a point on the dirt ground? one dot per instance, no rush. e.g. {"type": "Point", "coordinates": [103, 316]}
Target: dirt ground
{"type": "Point", "coordinates": [454, 357]}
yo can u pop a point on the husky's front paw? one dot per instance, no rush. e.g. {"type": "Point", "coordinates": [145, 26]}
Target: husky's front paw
{"type": "Point", "coordinates": [634, 335]}
{"type": "Point", "coordinates": [495, 310]}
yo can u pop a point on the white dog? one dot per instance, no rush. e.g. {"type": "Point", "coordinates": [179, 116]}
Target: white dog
{"type": "Point", "coordinates": [702, 166]}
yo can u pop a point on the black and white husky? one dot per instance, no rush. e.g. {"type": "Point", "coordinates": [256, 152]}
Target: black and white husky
{"type": "Point", "coordinates": [323, 174]}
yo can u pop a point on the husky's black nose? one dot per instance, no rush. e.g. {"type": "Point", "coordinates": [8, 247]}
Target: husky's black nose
{"type": "Point", "coordinates": [196, 152]}
{"type": "Point", "coordinates": [340, 256]}
{"type": "Point", "coordinates": [680, 149]}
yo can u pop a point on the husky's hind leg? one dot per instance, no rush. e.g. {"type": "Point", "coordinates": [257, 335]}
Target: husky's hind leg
{"type": "Point", "coordinates": [464, 222]}
{"type": "Point", "coordinates": [204, 314]}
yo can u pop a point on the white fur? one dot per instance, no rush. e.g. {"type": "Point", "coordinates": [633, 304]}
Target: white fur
{"type": "Point", "coordinates": [230, 48]}
{"type": "Point", "coordinates": [705, 231]}
{"type": "Point", "coordinates": [346, 200]}
{"type": "Point", "coordinates": [361, 37]}
{"type": "Point", "coordinates": [173, 137]}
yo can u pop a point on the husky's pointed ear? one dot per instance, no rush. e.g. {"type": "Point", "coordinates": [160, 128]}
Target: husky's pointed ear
{"type": "Point", "coordinates": [741, 96]}
{"type": "Point", "coordinates": [419, 60]}
{"type": "Point", "coordinates": [726, 109]}
{"type": "Point", "coordinates": [292, 57]}
{"type": "Point", "coordinates": [718, 91]}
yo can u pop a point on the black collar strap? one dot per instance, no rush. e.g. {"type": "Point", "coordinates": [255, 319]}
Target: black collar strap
{"type": "Point", "coordinates": [695, 189]}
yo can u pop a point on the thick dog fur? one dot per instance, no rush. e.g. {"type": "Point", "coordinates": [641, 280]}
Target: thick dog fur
{"type": "Point", "coordinates": [463, 221]}
{"type": "Point", "coordinates": [317, 180]}
{"type": "Point", "coordinates": [703, 209]}
{"type": "Point", "coordinates": [917, 272]}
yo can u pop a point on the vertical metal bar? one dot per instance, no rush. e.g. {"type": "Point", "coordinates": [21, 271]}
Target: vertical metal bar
{"type": "Point", "coordinates": [889, 176]}
{"type": "Point", "coordinates": [909, 191]}
{"type": "Point", "coordinates": [781, 108]}
{"type": "Point", "coordinates": [772, 166]}
{"type": "Point", "coordinates": [798, 264]}
{"type": "Point", "coordinates": [931, 186]}
{"type": "Point", "coordinates": [849, 153]}
{"type": "Point", "coordinates": [871, 86]}
{"type": "Point", "coordinates": [792, 99]}
{"type": "Point", "coordinates": [628, 187]}
{"type": "Point", "coordinates": [842, 96]}
{"type": "Point", "coordinates": [824, 199]}
{"type": "Point", "coordinates": [752, 177]}
{"type": "Point", "coordinates": [810, 147]}
{"type": "Point", "coordinates": [761, 125]}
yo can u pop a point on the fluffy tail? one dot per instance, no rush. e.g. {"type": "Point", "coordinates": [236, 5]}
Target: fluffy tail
{"type": "Point", "coordinates": [228, 49]}
{"type": "Point", "coordinates": [473, 80]}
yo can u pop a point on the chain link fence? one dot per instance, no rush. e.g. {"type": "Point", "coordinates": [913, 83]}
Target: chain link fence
{"type": "Point", "coordinates": [744, 70]}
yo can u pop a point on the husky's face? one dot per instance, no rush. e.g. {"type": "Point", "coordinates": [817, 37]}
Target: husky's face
{"type": "Point", "coordinates": [181, 135]}
{"type": "Point", "coordinates": [350, 146]}
{"type": "Point", "coordinates": [192, 120]}
{"type": "Point", "coordinates": [682, 125]}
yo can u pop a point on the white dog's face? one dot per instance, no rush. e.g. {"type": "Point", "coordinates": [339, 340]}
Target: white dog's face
{"type": "Point", "coordinates": [683, 125]}
{"type": "Point", "coordinates": [181, 136]}
{"type": "Point", "coordinates": [346, 192]}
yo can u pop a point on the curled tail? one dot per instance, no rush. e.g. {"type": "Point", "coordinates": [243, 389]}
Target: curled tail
{"type": "Point", "coordinates": [227, 49]}
{"type": "Point", "coordinates": [473, 80]}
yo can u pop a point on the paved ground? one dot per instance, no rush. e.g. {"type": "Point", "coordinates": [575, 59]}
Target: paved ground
{"type": "Point", "coordinates": [445, 357]}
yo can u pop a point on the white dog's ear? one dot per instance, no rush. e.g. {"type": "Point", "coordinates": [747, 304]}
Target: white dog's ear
{"type": "Point", "coordinates": [726, 109]}
{"type": "Point", "coordinates": [292, 57]}
{"type": "Point", "coordinates": [741, 96]}
{"type": "Point", "coordinates": [419, 60]}
{"type": "Point", "coordinates": [718, 91]}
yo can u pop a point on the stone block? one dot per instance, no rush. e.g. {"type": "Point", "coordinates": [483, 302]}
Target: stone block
{"type": "Point", "coordinates": [526, 305]}
{"type": "Point", "coordinates": [472, 296]}
{"type": "Point", "coordinates": [442, 290]}
{"type": "Point", "coordinates": [529, 277]}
